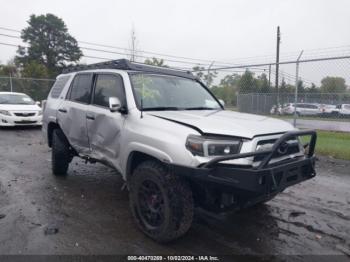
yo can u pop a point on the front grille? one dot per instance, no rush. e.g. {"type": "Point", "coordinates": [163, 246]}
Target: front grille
{"type": "Point", "coordinates": [24, 114]}
{"type": "Point", "coordinates": [25, 122]}
{"type": "Point", "coordinates": [293, 148]}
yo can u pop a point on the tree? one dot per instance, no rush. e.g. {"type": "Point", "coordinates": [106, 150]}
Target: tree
{"type": "Point", "coordinates": [205, 76]}
{"type": "Point", "coordinates": [35, 70]}
{"type": "Point", "coordinates": [301, 87]}
{"type": "Point", "coordinates": [248, 83]}
{"type": "Point", "coordinates": [263, 84]}
{"type": "Point", "coordinates": [9, 70]}
{"type": "Point", "coordinates": [313, 89]}
{"type": "Point", "coordinates": [49, 44]}
{"type": "Point", "coordinates": [156, 62]}
{"type": "Point", "coordinates": [227, 89]}
{"type": "Point", "coordinates": [37, 89]}
{"type": "Point", "coordinates": [331, 84]}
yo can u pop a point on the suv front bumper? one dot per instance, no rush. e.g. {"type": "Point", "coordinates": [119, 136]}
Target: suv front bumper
{"type": "Point", "coordinates": [264, 179]}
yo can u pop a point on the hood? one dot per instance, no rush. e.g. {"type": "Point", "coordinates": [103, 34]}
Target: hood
{"type": "Point", "coordinates": [19, 107]}
{"type": "Point", "coordinates": [225, 122]}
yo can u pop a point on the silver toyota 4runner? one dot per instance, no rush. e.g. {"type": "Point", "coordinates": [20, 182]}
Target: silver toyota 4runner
{"type": "Point", "coordinates": [172, 141]}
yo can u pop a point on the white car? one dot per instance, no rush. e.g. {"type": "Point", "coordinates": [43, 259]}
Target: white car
{"type": "Point", "coordinates": [18, 109]}
{"type": "Point", "coordinates": [328, 110]}
{"type": "Point", "coordinates": [342, 110]}
{"type": "Point", "coordinates": [302, 109]}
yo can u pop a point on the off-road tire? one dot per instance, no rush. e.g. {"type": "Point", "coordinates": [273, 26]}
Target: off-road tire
{"type": "Point", "coordinates": [176, 195]}
{"type": "Point", "coordinates": [61, 153]}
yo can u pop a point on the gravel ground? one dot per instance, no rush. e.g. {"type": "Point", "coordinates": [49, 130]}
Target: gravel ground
{"type": "Point", "coordinates": [87, 213]}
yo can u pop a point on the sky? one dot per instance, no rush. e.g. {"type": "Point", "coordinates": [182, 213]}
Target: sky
{"type": "Point", "coordinates": [233, 31]}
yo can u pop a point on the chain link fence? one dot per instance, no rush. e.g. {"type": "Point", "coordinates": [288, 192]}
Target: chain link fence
{"type": "Point", "coordinates": [314, 91]}
{"type": "Point", "coordinates": [38, 89]}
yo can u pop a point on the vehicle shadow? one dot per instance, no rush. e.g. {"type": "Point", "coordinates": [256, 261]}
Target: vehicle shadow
{"type": "Point", "coordinates": [19, 128]}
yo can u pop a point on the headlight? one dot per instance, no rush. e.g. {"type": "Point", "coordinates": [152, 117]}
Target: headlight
{"type": "Point", "coordinates": [40, 113]}
{"type": "Point", "coordinates": [208, 146]}
{"type": "Point", "coordinates": [4, 112]}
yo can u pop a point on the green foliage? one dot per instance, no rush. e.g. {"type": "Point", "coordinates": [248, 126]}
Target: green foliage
{"type": "Point", "coordinates": [333, 84]}
{"type": "Point", "coordinates": [155, 62]}
{"type": "Point", "coordinates": [248, 83]}
{"type": "Point", "coordinates": [35, 70]}
{"type": "Point", "coordinates": [227, 89]}
{"type": "Point", "coordinates": [301, 87]}
{"type": "Point", "coordinates": [50, 44]}
{"type": "Point", "coordinates": [205, 76]}
{"type": "Point", "coordinates": [263, 84]}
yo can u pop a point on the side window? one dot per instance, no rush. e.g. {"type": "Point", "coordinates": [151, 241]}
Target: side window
{"type": "Point", "coordinates": [58, 86]}
{"type": "Point", "coordinates": [108, 86]}
{"type": "Point", "coordinates": [81, 88]}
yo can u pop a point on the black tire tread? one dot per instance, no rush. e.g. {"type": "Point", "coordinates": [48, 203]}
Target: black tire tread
{"type": "Point", "coordinates": [61, 154]}
{"type": "Point", "coordinates": [180, 199]}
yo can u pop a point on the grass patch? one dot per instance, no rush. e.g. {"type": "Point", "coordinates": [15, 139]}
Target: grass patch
{"type": "Point", "coordinates": [335, 144]}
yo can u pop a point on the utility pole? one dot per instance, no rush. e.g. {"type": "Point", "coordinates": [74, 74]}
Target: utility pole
{"type": "Point", "coordinates": [277, 62]}
{"type": "Point", "coordinates": [11, 82]}
{"type": "Point", "coordinates": [269, 77]}
{"type": "Point", "coordinates": [296, 89]}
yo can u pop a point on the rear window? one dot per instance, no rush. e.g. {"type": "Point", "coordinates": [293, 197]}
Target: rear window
{"type": "Point", "coordinates": [57, 88]}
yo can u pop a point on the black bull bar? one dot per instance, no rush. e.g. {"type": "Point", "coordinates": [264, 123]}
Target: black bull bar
{"type": "Point", "coordinates": [265, 178]}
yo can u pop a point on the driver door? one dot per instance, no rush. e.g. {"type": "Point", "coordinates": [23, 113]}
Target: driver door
{"type": "Point", "coordinates": [105, 127]}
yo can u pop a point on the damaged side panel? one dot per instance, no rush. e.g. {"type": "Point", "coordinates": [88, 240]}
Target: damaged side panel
{"type": "Point", "coordinates": [104, 132]}
{"type": "Point", "coordinates": [73, 123]}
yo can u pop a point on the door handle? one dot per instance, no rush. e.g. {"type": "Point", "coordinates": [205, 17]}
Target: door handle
{"type": "Point", "coordinates": [62, 110]}
{"type": "Point", "coordinates": [90, 117]}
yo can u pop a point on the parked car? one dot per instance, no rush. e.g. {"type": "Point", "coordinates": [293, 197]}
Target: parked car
{"type": "Point", "coordinates": [327, 110]}
{"type": "Point", "coordinates": [18, 109]}
{"type": "Point", "coordinates": [302, 109]}
{"type": "Point", "coordinates": [342, 110]}
{"type": "Point", "coordinates": [172, 141]}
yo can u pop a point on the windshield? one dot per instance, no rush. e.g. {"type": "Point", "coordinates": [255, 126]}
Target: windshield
{"type": "Point", "coordinates": [159, 92]}
{"type": "Point", "coordinates": [16, 99]}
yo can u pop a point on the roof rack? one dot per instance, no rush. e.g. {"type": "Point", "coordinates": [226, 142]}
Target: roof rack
{"type": "Point", "coordinates": [124, 64]}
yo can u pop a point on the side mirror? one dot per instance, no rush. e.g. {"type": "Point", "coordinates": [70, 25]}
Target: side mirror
{"type": "Point", "coordinates": [222, 102]}
{"type": "Point", "coordinates": [37, 103]}
{"type": "Point", "coordinates": [114, 104]}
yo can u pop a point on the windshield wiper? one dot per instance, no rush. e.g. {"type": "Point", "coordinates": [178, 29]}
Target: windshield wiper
{"type": "Point", "coordinates": [162, 108]}
{"type": "Point", "coordinates": [201, 108]}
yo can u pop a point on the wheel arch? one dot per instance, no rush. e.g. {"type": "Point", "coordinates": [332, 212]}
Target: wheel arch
{"type": "Point", "coordinates": [137, 157]}
{"type": "Point", "coordinates": [50, 128]}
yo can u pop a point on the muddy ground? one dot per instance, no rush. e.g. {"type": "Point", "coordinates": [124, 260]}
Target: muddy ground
{"type": "Point", "coordinates": [87, 213]}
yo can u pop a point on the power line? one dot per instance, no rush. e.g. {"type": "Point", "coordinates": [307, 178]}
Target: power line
{"type": "Point", "coordinates": [119, 53]}
{"type": "Point", "coordinates": [142, 51]}
{"type": "Point", "coordinates": [219, 63]}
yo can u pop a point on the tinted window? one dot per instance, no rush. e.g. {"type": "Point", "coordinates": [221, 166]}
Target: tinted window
{"type": "Point", "coordinates": [58, 86]}
{"type": "Point", "coordinates": [81, 88]}
{"type": "Point", "coordinates": [108, 86]}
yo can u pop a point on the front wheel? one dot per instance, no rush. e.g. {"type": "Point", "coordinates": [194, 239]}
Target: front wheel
{"type": "Point", "coordinates": [61, 153]}
{"type": "Point", "coordinates": [161, 203]}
